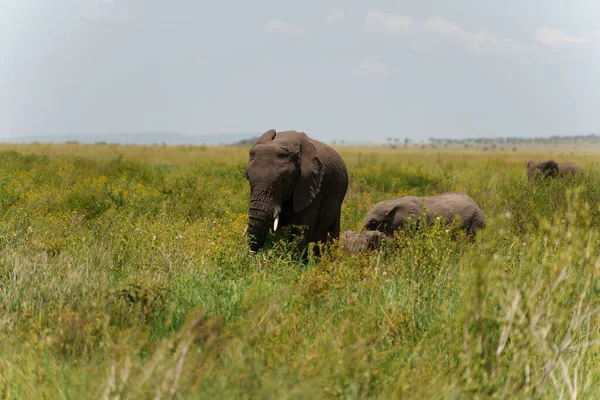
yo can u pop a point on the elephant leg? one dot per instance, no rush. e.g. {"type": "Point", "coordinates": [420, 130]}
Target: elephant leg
{"type": "Point", "coordinates": [299, 241]}
{"type": "Point", "coordinates": [471, 228]}
{"type": "Point", "coordinates": [334, 229]}
{"type": "Point", "coordinates": [318, 239]}
{"type": "Point", "coordinates": [325, 235]}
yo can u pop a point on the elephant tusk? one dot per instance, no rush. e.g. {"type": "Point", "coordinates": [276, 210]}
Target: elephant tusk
{"type": "Point", "coordinates": [245, 231]}
{"type": "Point", "coordinates": [276, 224]}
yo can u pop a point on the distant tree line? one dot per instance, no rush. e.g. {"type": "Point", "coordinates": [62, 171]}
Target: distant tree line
{"type": "Point", "coordinates": [493, 143]}
{"type": "Point", "coordinates": [554, 139]}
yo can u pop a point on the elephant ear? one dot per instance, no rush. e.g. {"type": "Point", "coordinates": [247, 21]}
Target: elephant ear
{"type": "Point", "coordinates": [311, 175]}
{"type": "Point", "coordinates": [551, 164]}
{"type": "Point", "coordinates": [268, 136]}
{"type": "Point", "coordinates": [390, 217]}
{"type": "Point", "coordinates": [550, 167]}
{"type": "Point", "coordinates": [399, 213]}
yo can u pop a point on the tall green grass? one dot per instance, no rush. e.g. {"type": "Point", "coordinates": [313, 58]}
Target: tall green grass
{"type": "Point", "coordinates": [124, 277]}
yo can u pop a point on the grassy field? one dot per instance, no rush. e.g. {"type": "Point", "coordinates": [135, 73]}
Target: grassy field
{"type": "Point", "coordinates": [124, 274]}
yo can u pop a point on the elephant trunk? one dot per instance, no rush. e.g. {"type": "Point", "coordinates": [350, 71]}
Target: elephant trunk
{"type": "Point", "coordinates": [263, 215]}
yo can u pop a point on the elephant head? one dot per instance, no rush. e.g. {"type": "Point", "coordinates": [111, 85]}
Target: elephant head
{"type": "Point", "coordinates": [363, 241]}
{"type": "Point", "coordinates": [547, 169]}
{"type": "Point", "coordinates": [283, 171]}
{"type": "Point", "coordinates": [388, 215]}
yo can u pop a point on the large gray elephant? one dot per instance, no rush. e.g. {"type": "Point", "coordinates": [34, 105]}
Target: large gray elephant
{"type": "Point", "coordinates": [389, 215]}
{"type": "Point", "coordinates": [297, 181]}
{"type": "Point", "coordinates": [362, 241]}
{"type": "Point", "coordinates": [552, 169]}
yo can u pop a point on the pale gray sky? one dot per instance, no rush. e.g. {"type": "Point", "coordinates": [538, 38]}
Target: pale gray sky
{"type": "Point", "coordinates": [335, 69]}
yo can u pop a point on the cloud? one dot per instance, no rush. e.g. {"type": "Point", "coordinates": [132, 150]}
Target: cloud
{"type": "Point", "coordinates": [388, 22]}
{"type": "Point", "coordinates": [336, 16]}
{"type": "Point", "coordinates": [277, 25]}
{"type": "Point", "coordinates": [556, 37]}
{"type": "Point", "coordinates": [102, 9]}
{"type": "Point", "coordinates": [373, 67]}
{"type": "Point", "coordinates": [480, 40]}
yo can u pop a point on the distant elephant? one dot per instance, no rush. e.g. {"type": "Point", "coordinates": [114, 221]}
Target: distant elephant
{"type": "Point", "coordinates": [389, 215]}
{"type": "Point", "coordinates": [294, 180]}
{"type": "Point", "coordinates": [361, 241]}
{"type": "Point", "coordinates": [552, 169]}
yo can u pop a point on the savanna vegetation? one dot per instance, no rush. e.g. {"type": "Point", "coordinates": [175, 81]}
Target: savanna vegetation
{"type": "Point", "coordinates": [124, 274]}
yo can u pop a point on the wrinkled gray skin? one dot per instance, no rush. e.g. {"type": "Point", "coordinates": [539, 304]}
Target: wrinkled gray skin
{"type": "Point", "coordinates": [300, 180]}
{"type": "Point", "coordinates": [389, 215]}
{"type": "Point", "coordinates": [552, 169]}
{"type": "Point", "coordinates": [359, 242]}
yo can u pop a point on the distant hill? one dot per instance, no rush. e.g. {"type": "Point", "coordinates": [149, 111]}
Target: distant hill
{"type": "Point", "coordinates": [142, 138]}
{"type": "Point", "coordinates": [245, 142]}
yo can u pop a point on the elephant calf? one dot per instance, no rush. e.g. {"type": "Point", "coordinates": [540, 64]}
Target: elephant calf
{"type": "Point", "coordinates": [389, 215]}
{"type": "Point", "coordinates": [552, 169]}
{"type": "Point", "coordinates": [359, 242]}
